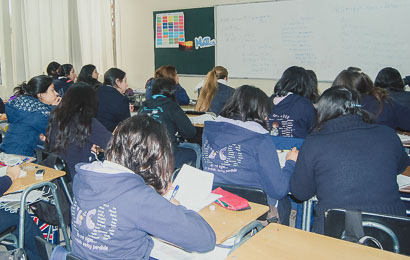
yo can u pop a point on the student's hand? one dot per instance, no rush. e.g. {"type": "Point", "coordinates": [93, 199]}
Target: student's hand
{"type": "Point", "coordinates": [57, 101]}
{"type": "Point", "coordinates": [95, 149]}
{"type": "Point", "coordinates": [292, 154]}
{"type": "Point", "coordinates": [13, 172]}
{"type": "Point", "coordinates": [42, 137]}
{"type": "Point", "coordinates": [175, 202]}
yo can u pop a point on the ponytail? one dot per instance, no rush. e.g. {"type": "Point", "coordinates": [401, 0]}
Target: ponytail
{"type": "Point", "coordinates": [34, 86]}
{"type": "Point", "coordinates": [210, 87]}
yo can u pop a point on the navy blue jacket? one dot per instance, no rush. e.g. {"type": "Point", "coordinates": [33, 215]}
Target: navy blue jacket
{"type": "Point", "coordinates": [294, 116]}
{"type": "Point", "coordinates": [401, 97]}
{"type": "Point", "coordinates": [222, 95]}
{"type": "Point", "coordinates": [28, 118]}
{"type": "Point", "coordinates": [74, 153]}
{"type": "Point", "coordinates": [113, 107]}
{"type": "Point", "coordinates": [166, 111]}
{"type": "Point", "coordinates": [61, 85]}
{"type": "Point", "coordinates": [180, 93]}
{"type": "Point", "coordinates": [243, 153]}
{"type": "Point", "coordinates": [5, 183]}
{"type": "Point", "coordinates": [392, 115]}
{"type": "Point", "coordinates": [350, 164]}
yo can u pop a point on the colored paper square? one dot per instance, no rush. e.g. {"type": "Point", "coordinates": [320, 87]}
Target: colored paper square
{"type": "Point", "coordinates": [159, 41]}
{"type": "Point", "coordinates": [165, 30]}
{"type": "Point", "coordinates": [165, 36]}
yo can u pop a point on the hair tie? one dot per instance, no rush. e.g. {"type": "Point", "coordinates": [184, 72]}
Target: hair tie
{"type": "Point", "coordinates": [355, 105]}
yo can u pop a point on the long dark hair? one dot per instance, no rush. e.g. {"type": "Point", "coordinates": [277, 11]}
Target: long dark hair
{"type": "Point", "coordinates": [52, 69]}
{"type": "Point", "coordinates": [389, 78]}
{"type": "Point", "coordinates": [142, 145]}
{"type": "Point", "coordinates": [72, 119]}
{"type": "Point", "coordinates": [64, 70]}
{"type": "Point", "coordinates": [355, 78]}
{"type": "Point", "coordinates": [339, 101]}
{"type": "Point", "coordinates": [248, 103]}
{"type": "Point", "coordinates": [34, 86]}
{"type": "Point", "coordinates": [111, 75]}
{"type": "Point", "coordinates": [86, 75]}
{"type": "Point", "coordinates": [294, 79]}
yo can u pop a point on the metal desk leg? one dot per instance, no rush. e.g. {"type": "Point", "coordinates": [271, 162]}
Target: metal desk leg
{"type": "Point", "coordinates": [304, 215]}
{"type": "Point", "coordinates": [57, 204]}
{"type": "Point", "coordinates": [307, 214]}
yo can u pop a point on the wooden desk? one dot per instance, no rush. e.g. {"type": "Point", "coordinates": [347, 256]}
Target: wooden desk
{"type": "Point", "coordinates": [30, 179]}
{"type": "Point", "coordinates": [281, 242]}
{"type": "Point", "coordinates": [227, 223]}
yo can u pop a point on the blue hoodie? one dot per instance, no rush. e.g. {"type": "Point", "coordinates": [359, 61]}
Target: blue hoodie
{"type": "Point", "coordinates": [115, 212]}
{"type": "Point", "coordinates": [243, 153]}
{"type": "Point", "coordinates": [294, 116]}
{"type": "Point", "coordinates": [28, 118]}
{"type": "Point", "coordinates": [181, 96]}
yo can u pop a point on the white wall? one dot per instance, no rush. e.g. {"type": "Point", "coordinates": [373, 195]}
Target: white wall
{"type": "Point", "coordinates": [135, 44]}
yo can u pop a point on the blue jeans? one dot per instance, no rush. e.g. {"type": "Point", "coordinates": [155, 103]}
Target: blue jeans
{"type": "Point", "coordinates": [31, 230]}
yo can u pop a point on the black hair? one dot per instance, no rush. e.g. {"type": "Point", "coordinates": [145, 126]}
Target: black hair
{"type": "Point", "coordinates": [64, 70]}
{"type": "Point", "coordinates": [338, 101]}
{"type": "Point", "coordinates": [86, 75]}
{"type": "Point", "coordinates": [312, 91]}
{"type": "Point", "coordinates": [71, 121]}
{"type": "Point", "coordinates": [142, 145]}
{"type": "Point", "coordinates": [111, 75]}
{"type": "Point", "coordinates": [34, 86]}
{"type": "Point", "coordinates": [164, 86]}
{"type": "Point", "coordinates": [294, 79]}
{"type": "Point", "coordinates": [248, 103]}
{"type": "Point", "coordinates": [52, 69]}
{"type": "Point", "coordinates": [389, 78]}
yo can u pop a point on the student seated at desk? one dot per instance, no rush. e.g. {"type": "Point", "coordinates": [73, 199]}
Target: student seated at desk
{"type": "Point", "coordinates": [28, 115]}
{"type": "Point", "coordinates": [66, 76]}
{"type": "Point", "coordinates": [390, 79]}
{"type": "Point", "coordinates": [73, 130]}
{"type": "Point", "coordinates": [118, 203]}
{"type": "Point", "coordinates": [293, 114]}
{"type": "Point", "coordinates": [169, 72]}
{"type": "Point", "coordinates": [163, 108]}
{"type": "Point", "coordinates": [52, 69]}
{"type": "Point", "coordinates": [238, 149]}
{"type": "Point", "coordinates": [89, 75]}
{"type": "Point", "coordinates": [113, 105]}
{"type": "Point", "coordinates": [375, 100]}
{"type": "Point", "coordinates": [347, 162]}
{"type": "Point", "coordinates": [8, 219]}
{"type": "Point", "coordinates": [215, 92]}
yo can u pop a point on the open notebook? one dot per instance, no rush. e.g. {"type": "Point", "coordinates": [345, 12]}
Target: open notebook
{"type": "Point", "coordinates": [195, 188]}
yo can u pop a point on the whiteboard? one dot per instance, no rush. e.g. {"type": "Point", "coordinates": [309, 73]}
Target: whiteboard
{"type": "Point", "coordinates": [261, 40]}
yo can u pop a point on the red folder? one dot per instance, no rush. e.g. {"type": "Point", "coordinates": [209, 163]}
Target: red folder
{"type": "Point", "coordinates": [230, 200]}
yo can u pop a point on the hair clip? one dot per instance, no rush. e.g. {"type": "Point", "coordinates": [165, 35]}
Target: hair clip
{"type": "Point", "coordinates": [355, 105]}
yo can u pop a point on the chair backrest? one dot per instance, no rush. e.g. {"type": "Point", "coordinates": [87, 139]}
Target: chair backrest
{"type": "Point", "coordinates": [52, 160]}
{"type": "Point", "coordinates": [391, 232]}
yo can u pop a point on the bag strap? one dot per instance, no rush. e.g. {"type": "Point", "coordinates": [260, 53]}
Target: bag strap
{"type": "Point", "coordinates": [353, 226]}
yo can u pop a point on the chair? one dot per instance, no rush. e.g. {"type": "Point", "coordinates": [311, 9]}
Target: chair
{"type": "Point", "coordinates": [7, 237]}
{"type": "Point", "coordinates": [255, 195]}
{"type": "Point", "coordinates": [387, 232]}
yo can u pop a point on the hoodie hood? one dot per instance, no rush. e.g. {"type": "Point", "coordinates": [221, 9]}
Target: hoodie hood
{"type": "Point", "coordinates": [231, 131]}
{"type": "Point", "coordinates": [286, 103]}
{"type": "Point", "coordinates": [102, 182]}
{"type": "Point", "coordinates": [157, 101]}
{"type": "Point", "coordinates": [24, 106]}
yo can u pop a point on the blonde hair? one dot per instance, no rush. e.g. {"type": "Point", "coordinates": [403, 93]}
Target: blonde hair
{"type": "Point", "coordinates": [210, 87]}
{"type": "Point", "coordinates": [166, 71]}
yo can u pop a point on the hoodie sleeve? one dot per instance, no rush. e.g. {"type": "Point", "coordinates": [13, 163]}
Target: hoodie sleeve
{"type": "Point", "coordinates": [401, 116]}
{"type": "Point", "coordinates": [181, 95]}
{"type": "Point", "coordinates": [5, 183]}
{"type": "Point", "coordinates": [274, 180]}
{"type": "Point", "coordinates": [99, 134]}
{"type": "Point", "coordinates": [184, 126]}
{"type": "Point", "coordinates": [175, 224]}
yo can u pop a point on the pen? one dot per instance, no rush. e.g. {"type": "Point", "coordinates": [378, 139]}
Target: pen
{"type": "Point", "coordinates": [174, 192]}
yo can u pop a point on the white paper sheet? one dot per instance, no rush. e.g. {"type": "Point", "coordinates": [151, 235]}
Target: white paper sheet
{"type": "Point", "coordinates": [31, 197]}
{"type": "Point", "coordinates": [403, 180]}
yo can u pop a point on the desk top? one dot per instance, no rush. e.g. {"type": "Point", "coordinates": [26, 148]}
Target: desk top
{"type": "Point", "coordinates": [30, 179]}
{"type": "Point", "coordinates": [226, 222]}
{"type": "Point", "coordinates": [282, 242]}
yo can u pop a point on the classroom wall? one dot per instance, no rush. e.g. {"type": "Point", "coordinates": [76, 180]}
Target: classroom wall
{"type": "Point", "coordinates": [135, 44]}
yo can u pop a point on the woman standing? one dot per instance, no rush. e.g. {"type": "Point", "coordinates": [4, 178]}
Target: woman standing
{"type": "Point", "coordinates": [28, 115]}
{"type": "Point", "coordinates": [347, 162]}
{"type": "Point", "coordinates": [73, 130]}
{"type": "Point", "coordinates": [113, 105]}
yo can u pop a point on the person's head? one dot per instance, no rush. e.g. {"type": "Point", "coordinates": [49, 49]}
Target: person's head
{"type": "Point", "coordinates": [354, 78]}
{"type": "Point", "coordinates": [248, 103]}
{"type": "Point", "coordinates": [339, 101]}
{"type": "Point", "coordinates": [312, 91]}
{"type": "Point", "coordinates": [116, 78]}
{"type": "Point", "coordinates": [164, 86]}
{"type": "Point", "coordinates": [89, 74]}
{"type": "Point", "coordinates": [72, 118]}
{"type": "Point", "coordinates": [295, 80]}
{"type": "Point", "coordinates": [52, 69]}
{"type": "Point", "coordinates": [142, 145]}
{"type": "Point", "coordinates": [39, 87]}
{"type": "Point", "coordinates": [209, 88]}
{"type": "Point", "coordinates": [389, 78]}
{"type": "Point", "coordinates": [167, 71]}
{"type": "Point", "coordinates": [67, 70]}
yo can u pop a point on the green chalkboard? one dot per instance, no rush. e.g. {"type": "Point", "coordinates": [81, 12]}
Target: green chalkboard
{"type": "Point", "coordinates": [198, 22]}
